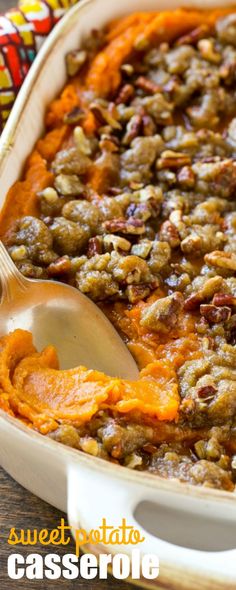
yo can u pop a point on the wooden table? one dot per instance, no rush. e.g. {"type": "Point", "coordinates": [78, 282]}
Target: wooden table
{"type": "Point", "coordinates": [21, 509]}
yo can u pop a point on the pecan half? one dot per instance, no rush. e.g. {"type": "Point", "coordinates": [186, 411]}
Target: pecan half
{"type": "Point", "coordinates": [125, 226]}
{"type": "Point", "coordinates": [61, 266]}
{"type": "Point", "coordinates": [215, 315]}
{"type": "Point", "coordinates": [126, 93]}
{"type": "Point", "coordinates": [94, 246]}
{"type": "Point", "coordinates": [147, 85]}
{"type": "Point", "coordinates": [221, 299]}
{"type": "Point", "coordinates": [173, 160]}
{"type": "Point", "coordinates": [193, 302]}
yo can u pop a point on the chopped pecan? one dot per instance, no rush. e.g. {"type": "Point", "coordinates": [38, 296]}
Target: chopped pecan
{"type": "Point", "coordinates": [227, 71]}
{"type": "Point", "coordinates": [231, 330]}
{"type": "Point", "coordinates": [71, 161]}
{"type": "Point", "coordinates": [221, 299]}
{"type": "Point", "coordinates": [162, 315]}
{"type": "Point", "coordinates": [149, 126]}
{"type": "Point", "coordinates": [74, 116]}
{"type": "Point", "coordinates": [74, 61]}
{"type": "Point", "coordinates": [137, 292]}
{"type": "Point", "coordinates": [214, 314]}
{"type": "Point", "coordinates": [151, 449]}
{"type": "Point", "coordinates": [193, 302]}
{"type": "Point", "coordinates": [147, 85]}
{"type": "Point", "coordinates": [104, 117]}
{"type": "Point", "coordinates": [61, 266]}
{"type": "Point", "coordinates": [142, 249]}
{"type": "Point", "coordinates": [141, 42]}
{"type": "Point", "coordinates": [69, 185]}
{"type": "Point", "coordinates": [169, 233]}
{"type": "Point", "coordinates": [225, 28]}
{"type": "Point", "coordinates": [172, 86]}
{"type": "Point", "coordinates": [208, 52]}
{"type": "Point", "coordinates": [186, 177]}
{"type": "Point", "coordinates": [153, 195]}
{"type": "Point", "coordinates": [141, 211]}
{"type": "Point", "coordinates": [125, 226]}
{"type": "Point", "coordinates": [129, 269]}
{"type": "Point", "coordinates": [173, 160]}
{"type": "Point", "coordinates": [18, 253]}
{"type": "Point", "coordinates": [81, 141]}
{"type": "Point", "coordinates": [225, 180]}
{"type": "Point", "coordinates": [159, 257]}
{"type": "Point", "coordinates": [136, 186]}
{"type": "Point", "coordinates": [209, 288]}
{"type": "Point", "coordinates": [94, 246]}
{"type": "Point", "coordinates": [221, 259]}
{"type": "Point", "coordinates": [126, 93]}
{"type": "Point", "coordinates": [176, 217]}
{"type": "Point", "coordinates": [49, 194]}
{"type": "Point", "coordinates": [194, 36]}
{"type": "Point", "coordinates": [109, 143]}
{"type": "Point", "coordinates": [133, 129]}
{"type": "Point", "coordinates": [127, 69]}
{"type": "Point", "coordinates": [191, 244]}
{"type": "Point", "coordinates": [114, 191]}
{"type": "Point", "coordinates": [117, 243]}
{"type": "Point", "coordinates": [207, 392]}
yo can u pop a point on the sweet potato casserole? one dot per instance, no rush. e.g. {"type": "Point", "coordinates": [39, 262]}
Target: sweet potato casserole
{"type": "Point", "coordinates": [130, 197]}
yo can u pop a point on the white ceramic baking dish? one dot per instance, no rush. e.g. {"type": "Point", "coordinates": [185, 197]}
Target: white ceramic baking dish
{"type": "Point", "coordinates": [191, 529]}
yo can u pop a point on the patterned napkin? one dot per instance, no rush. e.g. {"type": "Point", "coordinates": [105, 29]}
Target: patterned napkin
{"type": "Point", "coordinates": [22, 31]}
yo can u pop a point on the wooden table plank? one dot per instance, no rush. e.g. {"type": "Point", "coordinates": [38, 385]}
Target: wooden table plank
{"type": "Point", "coordinates": [21, 509]}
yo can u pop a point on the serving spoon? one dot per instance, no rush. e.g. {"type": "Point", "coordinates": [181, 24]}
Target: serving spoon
{"type": "Point", "coordinates": [60, 315]}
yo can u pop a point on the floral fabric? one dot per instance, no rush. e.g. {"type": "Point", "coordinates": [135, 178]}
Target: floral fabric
{"type": "Point", "coordinates": [22, 31]}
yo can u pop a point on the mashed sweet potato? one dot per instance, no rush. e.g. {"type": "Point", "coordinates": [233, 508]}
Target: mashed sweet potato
{"type": "Point", "coordinates": [33, 387]}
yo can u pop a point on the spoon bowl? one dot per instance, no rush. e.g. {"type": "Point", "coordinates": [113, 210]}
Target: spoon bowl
{"type": "Point", "coordinates": [60, 315]}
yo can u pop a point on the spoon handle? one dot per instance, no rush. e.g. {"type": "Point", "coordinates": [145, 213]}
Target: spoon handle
{"type": "Point", "coordinates": [10, 277]}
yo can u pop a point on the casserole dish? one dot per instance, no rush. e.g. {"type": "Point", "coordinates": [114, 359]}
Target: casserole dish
{"type": "Point", "coordinates": [166, 508]}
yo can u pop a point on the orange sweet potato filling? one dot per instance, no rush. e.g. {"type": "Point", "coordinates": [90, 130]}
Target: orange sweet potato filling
{"type": "Point", "coordinates": [33, 388]}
